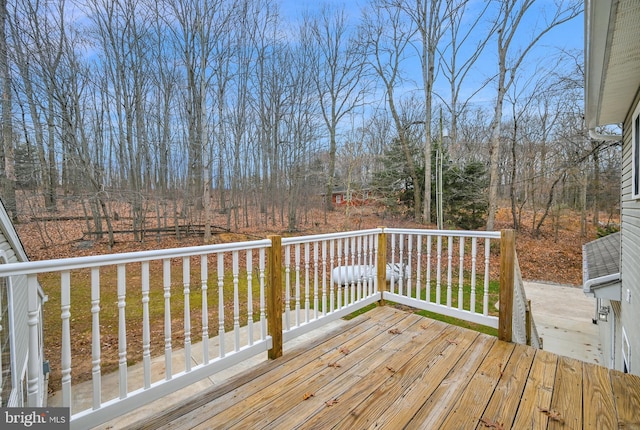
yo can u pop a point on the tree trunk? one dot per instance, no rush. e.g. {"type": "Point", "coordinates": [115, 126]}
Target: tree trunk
{"type": "Point", "coordinates": [9, 174]}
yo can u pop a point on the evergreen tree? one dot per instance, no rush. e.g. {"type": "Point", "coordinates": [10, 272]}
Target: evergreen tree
{"type": "Point", "coordinates": [394, 184]}
{"type": "Point", "coordinates": [465, 195]}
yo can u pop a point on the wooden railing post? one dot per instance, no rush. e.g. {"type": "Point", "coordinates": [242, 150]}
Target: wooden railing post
{"type": "Point", "coordinates": [274, 296]}
{"type": "Point", "coordinates": [507, 274]}
{"type": "Point", "coordinates": [381, 274]}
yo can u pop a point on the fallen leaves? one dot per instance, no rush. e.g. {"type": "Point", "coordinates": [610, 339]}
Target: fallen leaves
{"type": "Point", "coordinates": [345, 350]}
{"type": "Point", "coordinates": [335, 365]}
{"type": "Point", "coordinates": [328, 403]}
{"type": "Point", "coordinates": [552, 414]}
{"type": "Point", "coordinates": [492, 424]}
{"type": "Point", "coordinates": [394, 331]}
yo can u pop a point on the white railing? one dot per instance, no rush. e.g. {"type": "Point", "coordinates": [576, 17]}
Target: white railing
{"type": "Point", "coordinates": [229, 309]}
{"type": "Point", "coordinates": [524, 327]}
{"type": "Point", "coordinates": [447, 272]}
{"type": "Point", "coordinates": [313, 296]}
{"type": "Point", "coordinates": [154, 277]}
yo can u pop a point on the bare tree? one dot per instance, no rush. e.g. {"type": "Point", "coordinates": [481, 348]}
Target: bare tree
{"type": "Point", "coordinates": [387, 36]}
{"type": "Point", "coordinates": [338, 81]}
{"type": "Point", "coordinates": [459, 57]}
{"type": "Point", "coordinates": [431, 24]}
{"type": "Point", "coordinates": [510, 58]}
{"type": "Point", "coordinates": [8, 175]}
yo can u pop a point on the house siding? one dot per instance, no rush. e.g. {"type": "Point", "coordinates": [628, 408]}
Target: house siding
{"type": "Point", "coordinates": [630, 243]}
{"type": "Point", "coordinates": [11, 250]}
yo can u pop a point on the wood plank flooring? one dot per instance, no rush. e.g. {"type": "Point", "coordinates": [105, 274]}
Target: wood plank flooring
{"type": "Point", "coordinates": [392, 369]}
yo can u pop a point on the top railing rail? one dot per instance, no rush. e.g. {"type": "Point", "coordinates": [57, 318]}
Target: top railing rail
{"type": "Point", "coordinates": [73, 263]}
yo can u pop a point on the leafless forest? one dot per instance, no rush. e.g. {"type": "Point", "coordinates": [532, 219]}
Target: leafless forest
{"type": "Point", "coordinates": [170, 113]}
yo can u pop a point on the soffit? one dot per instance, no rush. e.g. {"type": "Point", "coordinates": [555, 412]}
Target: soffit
{"type": "Point", "coordinates": [612, 51]}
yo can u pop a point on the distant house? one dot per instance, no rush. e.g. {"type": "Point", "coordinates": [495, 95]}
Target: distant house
{"type": "Point", "coordinates": [611, 265]}
{"type": "Point", "coordinates": [14, 327]}
{"type": "Point", "coordinates": [351, 197]}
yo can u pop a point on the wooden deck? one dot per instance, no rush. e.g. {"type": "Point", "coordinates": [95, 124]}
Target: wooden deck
{"type": "Point", "coordinates": [392, 369]}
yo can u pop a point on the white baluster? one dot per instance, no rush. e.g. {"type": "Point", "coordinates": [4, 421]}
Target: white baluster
{"type": "Point", "coordinates": [146, 332]}
{"type": "Point", "coordinates": [316, 299]}
{"type": "Point", "coordinates": [166, 282]}
{"type": "Point", "coordinates": [307, 302]}
{"type": "Point", "coordinates": [419, 267]}
{"type": "Point", "coordinates": [297, 296]}
{"type": "Point", "coordinates": [287, 290]}
{"type": "Point", "coordinates": [439, 270]}
{"type": "Point", "coordinates": [65, 363]}
{"type": "Point", "coordinates": [428, 280]}
{"type": "Point", "coordinates": [345, 302]}
{"type": "Point", "coordinates": [263, 312]}
{"type": "Point", "coordinates": [339, 291]}
{"type": "Point", "coordinates": [236, 300]}
{"type": "Point", "coordinates": [393, 260]}
{"type": "Point", "coordinates": [374, 263]}
{"type": "Point", "coordinates": [204, 280]}
{"type": "Point", "coordinates": [400, 263]}
{"type": "Point", "coordinates": [95, 338]}
{"type": "Point", "coordinates": [368, 262]}
{"type": "Point", "coordinates": [186, 282]}
{"type": "Point", "coordinates": [220, 260]}
{"type": "Point", "coordinates": [474, 246]}
{"type": "Point", "coordinates": [409, 265]}
{"type": "Point", "coordinates": [122, 330]}
{"type": "Point", "coordinates": [249, 267]}
{"type": "Point", "coordinates": [324, 278]}
{"type": "Point", "coordinates": [487, 254]}
{"type": "Point", "coordinates": [332, 291]}
{"type": "Point", "coordinates": [461, 275]}
{"type": "Point", "coordinates": [361, 278]}
{"type": "Point", "coordinates": [352, 253]}
{"type": "Point", "coordinates": [449, 268]}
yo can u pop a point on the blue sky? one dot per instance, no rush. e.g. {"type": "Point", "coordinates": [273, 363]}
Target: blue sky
{"type": "Point", "coordinates": [568, 36]}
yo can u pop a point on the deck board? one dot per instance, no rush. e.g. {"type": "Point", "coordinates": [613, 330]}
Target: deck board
{"type": "Point", "coordinates": [410, 384]}
{"type": "Point", "coordinates": [476, 396]}
{"type": "Point", "coordinates": [506, 398]}
{"type": "Point", "coordinates": [626, 395]}
{"type": "Point", "coordinates": [599, 410]}
{"type": "Point", "coordinates": [392, 369]}
{"type": "Point", "coordinates": [566, 404]}
{"type": "Point", "coordinates": [537, 393]}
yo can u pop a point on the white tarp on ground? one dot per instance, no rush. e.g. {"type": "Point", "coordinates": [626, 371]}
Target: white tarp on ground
{"type": "Point", "coordinates": [361, 272]}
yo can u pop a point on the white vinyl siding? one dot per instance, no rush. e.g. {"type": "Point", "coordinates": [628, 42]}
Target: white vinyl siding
{"type": "Point", "coordinates": [630, 228]}
{"type": "Point", "coordinates": [7, 382]}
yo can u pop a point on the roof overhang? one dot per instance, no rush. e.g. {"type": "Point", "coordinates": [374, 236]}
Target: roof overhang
{"type": "Point", "coordinates": [9, 232]}
{"type": "Point", "coordinates": [612, 60]}
{"type": "Point", "coordinates": [601, 267]}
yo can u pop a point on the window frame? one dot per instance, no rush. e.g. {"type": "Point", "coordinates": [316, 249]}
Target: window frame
{"type": "Point", "coordinates": [626, 352]}
{"type": "Point", "coordinates": [635, 153]}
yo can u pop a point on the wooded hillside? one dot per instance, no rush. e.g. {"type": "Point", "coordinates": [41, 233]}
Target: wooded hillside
{"type": "Point", "coordinates": [149, 118]}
